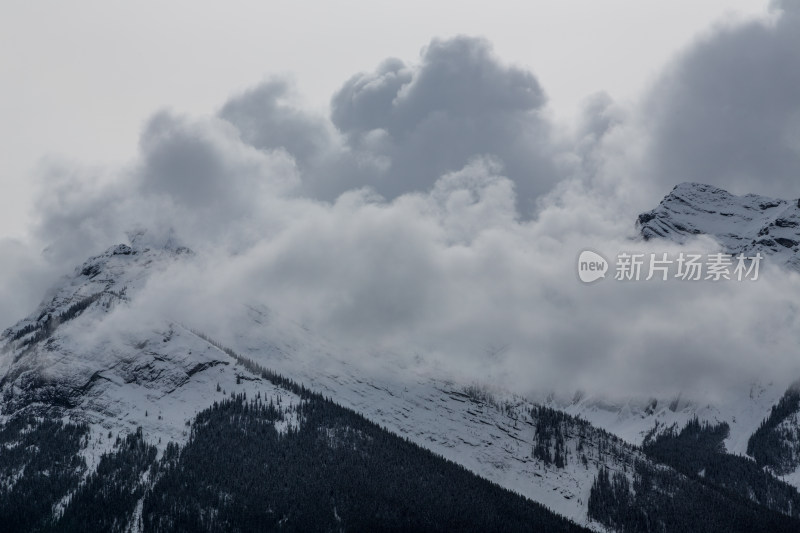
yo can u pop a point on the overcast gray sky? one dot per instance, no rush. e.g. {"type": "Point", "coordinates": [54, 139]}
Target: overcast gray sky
{"type": "Point", "coordinates": [80, 79]}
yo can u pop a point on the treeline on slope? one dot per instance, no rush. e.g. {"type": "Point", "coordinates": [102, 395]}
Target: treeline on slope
{"type": "Point", "coordinates": [693, 493]}
{"type": "Point", "coordinates": [775, 444]}
{"type": "Point", "coordinates": [562, 438]}
{"type": "Point", "coordinates": [659, 499]}
{"type": "Point", "coordinates": [39, 465]}
{"type": "Point", "coordinates": [42, 485]}
{"type": "Point", "coordinates": [698, 452]}
{"type": "Point", "coordinates": [549, 443]}
{"type": "Point", "coordinates": [329, 469]}
{"type": "Point", "coordinates": [336, 471]}
{"type": "Point", "coordinates": [106, 501]}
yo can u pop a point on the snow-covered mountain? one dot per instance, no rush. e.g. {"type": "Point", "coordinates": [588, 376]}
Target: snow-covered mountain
{"type": "Point", "coordinates": [748, 224]}
{"type": "Point", "coordinates": [636, 418]}
{"type": "Point", "coordinates": [157, 376]}
{"type": "Point", "coordinates": [741, 224]}
{"type": "Point", "coordinates": [84, 357]}
{"type": "Point", "coordinates": [70, 359]}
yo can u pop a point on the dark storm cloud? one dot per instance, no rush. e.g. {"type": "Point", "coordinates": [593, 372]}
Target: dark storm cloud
{"type": "Point", "coordinates": [181, 163]}
{"type": "Point", "coordinates": [399, 128]}
{"type": "Point", "coordinates": [728, 111]}
{"type": "Point", "coordinates": [366, 101]}
{"type": "Point", "coordinates": [203, 164]}
{"type": "Point", "coordinates": [267, 119]}
{"type": "Point", "coordinates": [458, 78]}
{"type": "Point", "coordinates": [459, 102]}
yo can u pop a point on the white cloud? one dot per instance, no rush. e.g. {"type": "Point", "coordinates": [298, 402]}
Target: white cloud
{"type": "Point", "coordinates": [448, 258]}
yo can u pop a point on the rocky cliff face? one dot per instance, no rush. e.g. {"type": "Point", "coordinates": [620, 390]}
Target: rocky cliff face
{"type": "Point", "coordinates": [746, 224]}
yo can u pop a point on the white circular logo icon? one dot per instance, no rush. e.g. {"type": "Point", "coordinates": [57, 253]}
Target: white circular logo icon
{"type": "Point", "coordinates": [591, 266]}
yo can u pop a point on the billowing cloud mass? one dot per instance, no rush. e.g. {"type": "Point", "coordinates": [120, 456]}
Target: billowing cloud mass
{"type": "Point", "coordinates": [399, 128]}
{"type": "Point", "coordinates": [728, 111]}
{"type": "Point", "coordinates": [430, 119]}
{"type": "Point", "coordinates": [437, 215]}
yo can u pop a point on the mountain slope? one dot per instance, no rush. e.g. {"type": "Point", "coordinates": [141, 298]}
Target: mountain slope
{"type": "Point", "coordinates": [80, 358]}
{"type": "Point", "coordinates": [763, 421]}
{"type": "Point", "coordinates": [775, 445]}
{"type": "Point", "coordinates": [88, 361]}
{"type": "Point", "coordinates": [636, 419]}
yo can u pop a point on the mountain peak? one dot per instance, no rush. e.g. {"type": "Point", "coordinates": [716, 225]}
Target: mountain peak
{"type": "Point", "coordinates": [167, 240]}
{"type": "Point", "coordinates": [746, 224]}
{"type": "Point", "coordinates": [99, 282]}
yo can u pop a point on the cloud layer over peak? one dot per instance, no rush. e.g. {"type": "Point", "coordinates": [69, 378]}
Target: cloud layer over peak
{"type": "Point", "coordinates": [439, 213]}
